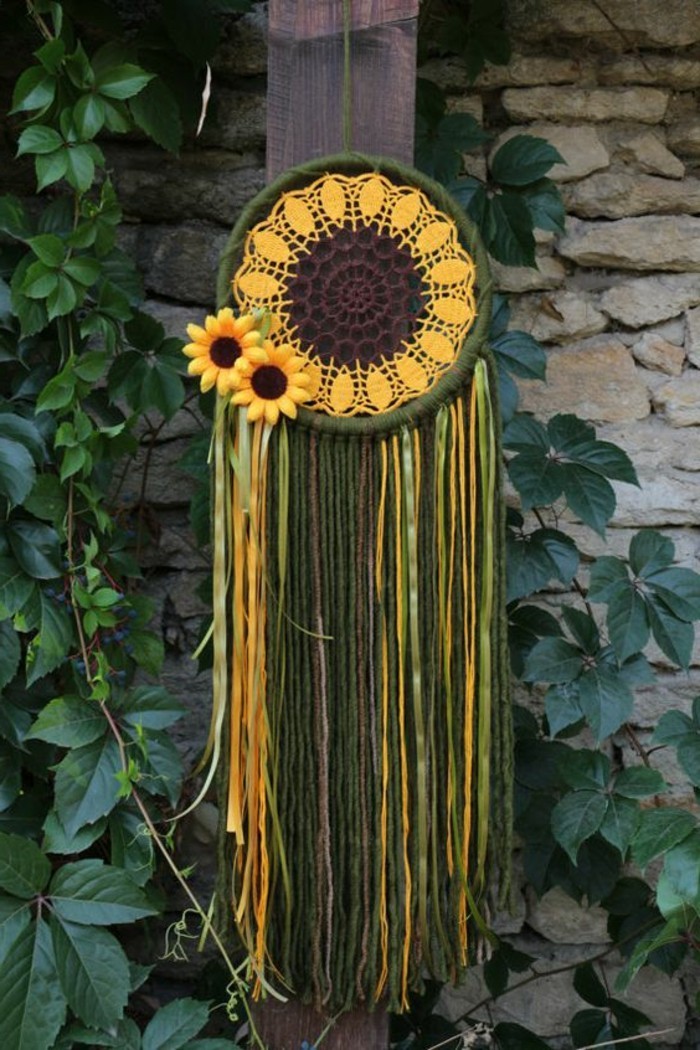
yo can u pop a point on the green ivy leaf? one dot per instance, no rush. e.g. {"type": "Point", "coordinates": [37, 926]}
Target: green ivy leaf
{"type": "Point", "coordinates": [606, 699]}
{"type": "Point", "coordinates": [15, 586]}
{"type": "Point", "coordinates": [91, 892]}
{"type": "Point", "coordinates": [609, 576]}
{"type": "Point", "coordinates": [514, 1037]}
{"type": "Point", "coordinates": [51, 645]}
{"type": "Point", "coordinates": [583, 628]}
{"type": "Point", "coordinates": [151, 707]}
{"type": "Point", "coordinates": [553, 660]}
{"type": "Point", "coordinates": [89, 116]}
{"type": "Point", "coordinates": [544, 202]}
{"type": "Point", "coordinates": [562, 707]}
{"type": "Point", "coordinates": [14, 918]}
{"type": "Point", "coordinates": [508, 234]}
{"type": "Point", "coordinates": [155, 111]}
{"type": "Point", "coordinates": [124, 81]}
{"type": "Point", "coordinates": [620, 823]}
{"type": "Point", "coordinates": [589, 496]}
{"type": "Point", "coordinates": [131, 844]}
{"type": "Point", "coordinates": [69, 721]}
{"type": "Point", "coordinates": [439, 146]}
{"type": "Point", "coordinates": [523, 159]}
{"type": "Point", "coordinates": [49, 249]}
{"type": "Point", "coordinates": [649, 552]}
{"type": "Point", "coordinates": [38, 138]}
{"type": "Point", "coordinates": [576, 817]}
{"type": "Point", "coordinates": [93, 971]}
{"type": "Point", "coordinates": [639, 782]}
{"type": "Point", "coordinates": [35, 89]}
{"type": "Point", "coordinates": [589, 1027]}
{"type": "Point", "coordinates": [86, 784]}
{"type": "Point", "coordinates": [10, 653]}
{"type": "Point", "coordinates": [659, 831]}
{"type": "Point", "coordinates": [681, 877]}
{"type": "Point", "coordinates": [148, 651]}
{"type": "Point", "coordinates": [627, 622]}
{"type": "Point", "coordinates": [17, 471]}
{"type": "Point", "coordinates": [589, 986]}
{"type": "Point", "coordinates": [673, 636]}
{"type": "Point", "coordinates": [32, 1005]}
{"type": "Point", "coordinates": [162, 768]}
{"type": "Point", "coordinates": [50, 168]}
{"type": "Point", "coordinates": [80, 168]}
{"type": "Point", "coordinates": [24, 870]}
{"type": "Point", "coordinates": [14, 219]}
{"type": "Point", "coordinates": [37, 548]}
{"type": "Point", "coordinates": [56, 840]}
{"type": "Point", "coordinates": [520, 354]}
{"type": "Point", "coordinates": [582, 768]}
{"type": "Point", "coordinates": [678, 590]}
{"type": "Point", "coordinates": [174, 1025]}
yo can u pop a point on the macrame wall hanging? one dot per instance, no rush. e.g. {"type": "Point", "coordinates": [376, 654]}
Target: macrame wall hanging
{"type": "Point", "coordinates": [361, 727]}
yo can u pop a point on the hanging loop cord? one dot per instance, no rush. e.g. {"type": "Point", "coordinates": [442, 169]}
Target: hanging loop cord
{"type": "Point", "coordinates": [347, 80]}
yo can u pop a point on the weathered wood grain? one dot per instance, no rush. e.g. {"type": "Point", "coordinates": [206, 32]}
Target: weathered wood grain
{"type": "Point", "coordinates": [306, 82]}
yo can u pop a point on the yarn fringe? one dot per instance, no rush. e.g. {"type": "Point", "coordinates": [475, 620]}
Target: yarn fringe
{"type": "Point", "coordinates": [359, 652]}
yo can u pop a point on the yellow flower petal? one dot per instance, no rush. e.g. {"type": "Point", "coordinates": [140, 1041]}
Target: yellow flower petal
{"type": "Point", "coordinates": [198, 366]}
{"type": "Point", "coordinates": [223, 381]}
{"type": "Point", "coordinates": [196, 350]}
{"type": "Point", "coordinates": [243, 396]}
{"type": "Point", "coordinates": [270, 246]}
{"type": "Point", "coordinates": [371, 198]}
{"type": "Point", "coordinates": [333, 199]}
{"type": "Point", "coordinates": [342, 392]}
{"type": "Point", "coordinates": [199, 335]}
{"type": "Point", "coordinates": [297, 395]}
{"type": "Point", "coordinates": [287, 405]}
{"type": "Point", "coordinates": [378, 388]}
{"type": "Point", "coordinates": [271, 410]}
{"type": "Point", "coordinates": [211, 324]}
{"type": "Point", "coordinates": [208, 378]}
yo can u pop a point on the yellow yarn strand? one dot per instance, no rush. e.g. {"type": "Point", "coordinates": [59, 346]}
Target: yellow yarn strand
{"type": "Point", "coordinates": [384, 816]}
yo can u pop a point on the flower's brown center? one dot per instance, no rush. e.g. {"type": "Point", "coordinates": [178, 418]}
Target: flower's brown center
{"type": "Point", "coordinates": [356, 295]}
{"type": "Point", "coordinates": [269, 382]}
{"type": "Point", "coordinates": [225, 351]}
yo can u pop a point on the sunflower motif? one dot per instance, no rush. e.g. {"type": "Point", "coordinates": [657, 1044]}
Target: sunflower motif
{"type": "Point", "coordinates": [272, 383]}
{"type": "Point", "coordinates": [369, 284]}
{"type": "Point", "coordinates": [220, 348]}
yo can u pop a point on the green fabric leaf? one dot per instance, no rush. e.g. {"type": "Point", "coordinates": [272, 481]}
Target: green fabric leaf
{"type": "Point", "coordinates": [576, 817]}
{"type": "Point", "coordinates": [86, 784]}
{"type": "Point", "coordinates": [627, 621]}
{"type": "Point", "coordinates": [93, 971]}
{"type": "Point", "coordinates": [24, 870]}
{"type": "Point", "coordinates": [606, 699]}
{"type": "Point", "coordinates": [173, 1025]}
{"type": "Point", "coordinates": [69, 721]}
{"type": "Point", "coordinates": [659, 830]}
{"type": "Point", "coordinates": [91, 892]}
{"type": "Point", "coordinates": [620, 823]}
{"type": "Point", "coordinates": [32, 1005]}
{"type": "Point", "coordinates": [553, 660]}
{"type": "Point", "coordinates": [14, 918]}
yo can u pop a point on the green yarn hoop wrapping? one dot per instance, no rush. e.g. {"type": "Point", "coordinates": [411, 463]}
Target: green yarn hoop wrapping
{"type": "Point", "coordinates": [385, 651]}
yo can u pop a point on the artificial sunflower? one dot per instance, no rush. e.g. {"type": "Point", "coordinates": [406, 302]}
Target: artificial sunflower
{"type": "Point", "coordinates": [219, 349]}
{"type": "Point", "coordinates": [272, 384]}
{"type": "Point", "coordinates": [368, 282]}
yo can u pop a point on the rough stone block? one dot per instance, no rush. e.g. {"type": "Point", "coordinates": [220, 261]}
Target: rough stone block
{"type": "Point", "coordinates": [649, 23]}
{"type": "Point", "coordinates": [236, 120]}
{"type": "Point", "coordinates": [166, 484]}
{"type": "Point", "coordinates": [650, 155]}
{"type": "Point", "coordinates": [579, 145]}
{"type": "Point", "coordinates": [561, 920]}
{"type": "Point", "coordinates": [596, 379]}
{"type": "Point", "coordinates": [674, 71]}
{"type": "Point", "coordinates": [450, 74]}
{"type": "Point", "coordinates": [181, 262]}
{"type": "Point", "coordinates": [667, 692]}
{"type": "Point", "coordinates": [692, 336]}
{"type": "Point", "coordinates": [684, 137]}
{"type": "Point", "coordinates": [243, 49]}
{"type": "Point", "coordinates": [680, 400]}
{"type": "Point", "coordinates": [664, 242]}
{"type": "Point", "coordinates": [566, 104]}
{"type": "Point", "coordinates": [643, 301]}
{"type": "Point", "coordinates": [549, 273]}
{"type": "Point", "coordinates": [558, 318]}
{"type": "Point", "coordinates": [207, 184]}
{"type": "Point", "coordinates": [657, 353]}
{"type": "Point", "coordinates": [615, 194]}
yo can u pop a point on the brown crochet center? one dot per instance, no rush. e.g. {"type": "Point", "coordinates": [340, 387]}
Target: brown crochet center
{"type": "Point", "coordinates": [355, 296]}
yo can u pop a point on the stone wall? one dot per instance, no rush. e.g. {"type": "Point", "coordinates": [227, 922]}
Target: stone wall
{"type": "Point", "coordinates": [615, 300]}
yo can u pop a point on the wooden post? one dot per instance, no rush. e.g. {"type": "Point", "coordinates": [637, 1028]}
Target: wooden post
{"type": "Point", "coordinates": [305, 120]}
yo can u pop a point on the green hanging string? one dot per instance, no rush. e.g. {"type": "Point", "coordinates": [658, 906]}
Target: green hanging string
{"type": "Point", "coordinates": [347, 80]}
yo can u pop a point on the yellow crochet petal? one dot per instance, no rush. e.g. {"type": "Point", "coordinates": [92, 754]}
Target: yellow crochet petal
{"type": "Point", "coordinates": [378, 389]}
{"type": "Point", "coordinates": [298, 216]}
{"type": "Point", "coordinates": [449, 271]}
{"type": "Point", "coordinates": [433, 237]}
{"type": "Point", "coordinates": [333, 199]}
{"type": "Point", "coordinates": [454, 311]}
{"type": "Point", "coordinates": [405, 211]}
{"type": "Point", "coordinates": [342, 392]}
{"type": "Point", "coordinates": [258, 285]}
{"type": "Point", "coordinates": [412, 373]}
{"type": "Point", "coordinates": [372, 197]}
{"type": "Point", "coordinates": [270, 246]}
{"type": "Point", "coordinates": [437, 346]}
